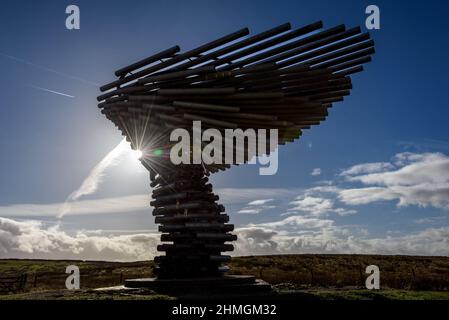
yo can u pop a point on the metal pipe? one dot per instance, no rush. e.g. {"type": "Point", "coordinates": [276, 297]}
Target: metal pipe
{"type": "Point", "coordinates": [189, 54]}
{"type": "Point", "coordinates": [139, 64]}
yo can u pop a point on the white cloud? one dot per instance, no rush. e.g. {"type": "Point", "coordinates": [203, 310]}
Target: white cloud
{"type": "Point", "coordinates": [312, 202]}
{"type": "Point", "coordinates": [410, 179]}
{"type": "Point", "coordinates": [245, 195]}
{"type": "Point", "coordinates": [430, 220]}
{"type": "Point", "coordinates": [316, 172]}
{"type": "Point", "coordinates": [404, 158]}
{"type": "Point", "coordinates": [327, 189]}
{"type": "Point", "coordinates": [295, 235]}
{"type": "Point", "coordinates": [313, 205]}
{"type": "Point", "coordinates": [81, 207]}
{"type": "Point", "coordinates": [257, 206]}
{"type": "Point", "coordinates": [418, 169]}
{"type": "Point", "coordinates": [29, 239]}
{"type": "Point", "coordinates": [255, 240]}
{"type": "Point", "coordinates": [367, 168]}
{"type": "Point", "coordinates": [421, 179]}
{"type": "Point", "coordinates": [360, 196]}
{"type": "Point", "coordinates": [250, 210]}
{"type": "Point", "coordinates": [260, 202]}
{"type": "Point", "coordinates": [292, 235]}
{"type": "Point", "coordinates": [132, 203]}
{"type": "Point", "coordinates": [344, 212]}
{"type": "Point", "coordinates": [296, 222]}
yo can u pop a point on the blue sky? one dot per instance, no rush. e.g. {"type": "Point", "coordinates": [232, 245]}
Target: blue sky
{"type": "Point", "coordinates": [396, 118]}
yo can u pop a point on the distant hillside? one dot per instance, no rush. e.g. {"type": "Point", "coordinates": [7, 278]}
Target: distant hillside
{"type": "Point", "coordinates": [286, 271]}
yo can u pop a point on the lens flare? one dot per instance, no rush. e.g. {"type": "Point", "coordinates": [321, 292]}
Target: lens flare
{"type": "Point", "coordinates": [158, 152]}
{"type": "Point", "coordinates": [137, 154]}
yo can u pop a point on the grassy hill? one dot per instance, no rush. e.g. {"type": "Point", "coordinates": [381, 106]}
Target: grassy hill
{"type": "Point", "coordinates": [323, 276]}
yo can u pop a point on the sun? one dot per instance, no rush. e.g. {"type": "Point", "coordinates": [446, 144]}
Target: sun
{"type": "Point", "coordinates": [137, 154]}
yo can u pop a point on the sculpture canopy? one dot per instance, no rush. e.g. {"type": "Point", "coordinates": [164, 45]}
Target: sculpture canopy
{"type": "Point", "coordinates": [279, 79]}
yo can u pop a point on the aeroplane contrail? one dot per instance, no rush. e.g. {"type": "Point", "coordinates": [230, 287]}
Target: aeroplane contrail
{"type": "Point", "coordinates": [51, 91]}
{"type": "Point", "coordinates": [49, 69]}
{"type": "Point", "coordinates": [95, 177]}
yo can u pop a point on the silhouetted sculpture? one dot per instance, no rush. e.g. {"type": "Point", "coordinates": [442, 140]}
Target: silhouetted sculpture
{"type": "Point", "coordinates": [279, 79]}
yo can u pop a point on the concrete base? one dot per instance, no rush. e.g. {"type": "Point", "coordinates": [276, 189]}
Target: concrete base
{"type": "Point", "coordinates": [225, 284]}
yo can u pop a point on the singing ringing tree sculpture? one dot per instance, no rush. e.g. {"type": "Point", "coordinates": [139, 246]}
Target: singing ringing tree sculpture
{"type": "Point", "coordinates": [279, 79]}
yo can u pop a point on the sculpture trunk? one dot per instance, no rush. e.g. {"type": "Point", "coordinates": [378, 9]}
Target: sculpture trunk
{"type": "Point", "coordinates": [193, 223]}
